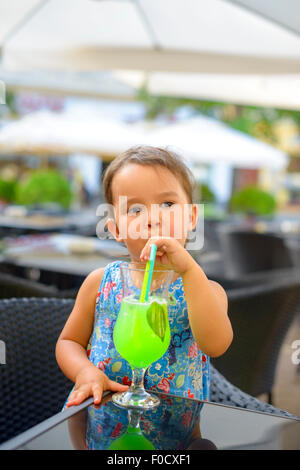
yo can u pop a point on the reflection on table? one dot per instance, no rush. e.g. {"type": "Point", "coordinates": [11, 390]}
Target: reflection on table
{"type": "Point", "coordinates": [176, 424]}
{"type": "Point", "coordinates": [109, 426]}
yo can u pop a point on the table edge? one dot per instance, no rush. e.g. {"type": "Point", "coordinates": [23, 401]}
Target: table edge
{"type": "Point", "coordinates": [20, 440]}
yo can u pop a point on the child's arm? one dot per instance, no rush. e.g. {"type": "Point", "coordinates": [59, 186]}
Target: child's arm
{"type": "Point", "coordinates": [71, 346]}
{"type": "Point", "coordinates": [207, 308]}
{"type": "Point", "coordinates": [206, 300]}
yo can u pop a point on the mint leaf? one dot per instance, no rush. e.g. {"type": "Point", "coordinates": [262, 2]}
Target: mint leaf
{"type": "Point", "coordinates": [157, 320]}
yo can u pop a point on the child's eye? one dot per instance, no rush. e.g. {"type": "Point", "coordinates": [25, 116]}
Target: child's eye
{"type": "Point", "coordinates": [134, 210]}
{"type": "Point", "coordinates": [169, 203]}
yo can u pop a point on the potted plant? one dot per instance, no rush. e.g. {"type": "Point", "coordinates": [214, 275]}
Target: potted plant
{"type": "Point", "coordinates": [42, 187]}
{"type": "Point", "coordinates": [8, 190]}
{"type": "Point", "coordinates": [252, 202]}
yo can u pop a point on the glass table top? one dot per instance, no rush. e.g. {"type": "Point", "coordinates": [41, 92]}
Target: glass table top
{"type": "Point", "coordinates": [176, 424]}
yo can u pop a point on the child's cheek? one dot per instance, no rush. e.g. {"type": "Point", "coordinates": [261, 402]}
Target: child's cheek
{"type": "Point", "coordinates": [173, 221]}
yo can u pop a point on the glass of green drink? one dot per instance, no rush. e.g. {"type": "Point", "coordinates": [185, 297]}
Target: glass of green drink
{"type": "Point", "coordinates": [142, 332]}
{"type": "Point", "coordinates": [133, 438]}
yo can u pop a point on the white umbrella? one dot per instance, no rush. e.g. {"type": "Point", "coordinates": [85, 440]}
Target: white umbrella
{"type": "Point", "coordinates": [187, 47]}
{"type": "Point", "coordinates": [275, 91]}
{"type": "Point", "coordinates": [207, 36]}
{"type": "Point", "coordinates": [64, 133]}
{"type": "Point", "coordinates": [200, 139]}
{"type": "Point", "coordinates": [206, 140]}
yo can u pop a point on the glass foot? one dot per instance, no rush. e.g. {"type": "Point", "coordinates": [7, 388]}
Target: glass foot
{"type": "Point", "coordinates": [136, 399]}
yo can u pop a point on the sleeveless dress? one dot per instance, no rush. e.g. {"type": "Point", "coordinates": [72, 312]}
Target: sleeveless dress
{"type": "Point", "coordinates": [183, 370]}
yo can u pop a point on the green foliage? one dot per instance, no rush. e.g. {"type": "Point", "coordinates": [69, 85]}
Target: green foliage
{"type": "Point", "coordinates": [8, 190]}
{"type": "Point", "coordinates": [214, 212]}
{"type": "Point", "coordinates": [10, 104]}
{"type": "Point", "coordinates": [253, 120]}
{"type": "Point", "coordinates": [157, 105]}
{"type": "Point", "coordinates": [45, 186]}
{"type": "Point", "coordinates": [252, 200]}
{"type": "Point", "coordinates": [207, 196]}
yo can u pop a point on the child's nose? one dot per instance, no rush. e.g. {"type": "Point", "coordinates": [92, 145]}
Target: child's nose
{"type": "Point", "coordinates": [153, 227]}
{"type": "Point", "coordinates": [153, 217]}
{"type": "Point", "coordinates": [153, 223]}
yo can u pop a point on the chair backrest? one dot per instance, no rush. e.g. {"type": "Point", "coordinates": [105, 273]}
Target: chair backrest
{"type": "Point", "coordinates": [33, 388]}
{"type": "Point", "coordinates": [257, 278]}
{"type": "Point", "coordinates": [246, 252]}
{"type": "Point", "coordinates": [14, 286]}
{"type": "Point", "coordinates": [260, 316]}
{"type": "Point", "coordinates": [225, 393]}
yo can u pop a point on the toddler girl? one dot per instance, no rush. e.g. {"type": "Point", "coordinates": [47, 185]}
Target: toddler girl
{"type": "Point", "coordinates": [197, 307]}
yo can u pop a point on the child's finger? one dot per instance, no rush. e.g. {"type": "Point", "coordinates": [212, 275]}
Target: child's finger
{"type": "Point", "coordinates": [161, 244]}
{"type": "Point", "coordinates": [76, 400]}
{"type": "Point", "coordinates": [161, 251]}
{"type": "Point", "coordinates": [97, 393]}
{"type": "Point", "coordinates": [116, 387]}
{"type": "Point", "coordinates": [77, 397]}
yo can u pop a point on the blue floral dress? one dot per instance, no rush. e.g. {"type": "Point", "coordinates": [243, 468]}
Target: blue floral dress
{"type": "Point", "coordinates": [183, 370]}
{"type": "Point", "coordinates": [167, 427]}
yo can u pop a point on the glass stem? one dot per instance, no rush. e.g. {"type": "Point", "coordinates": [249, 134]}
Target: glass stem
{"type": "Point", "coordinates": [134, 417]}
{"type": "Point", "coordinates": [137, 379]}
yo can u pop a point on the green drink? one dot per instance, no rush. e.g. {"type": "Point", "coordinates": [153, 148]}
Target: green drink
{"type": "Point", "coordinates": [142, 332]}
{"type": "Point", "coordinates": [141, 336]}
{"type": "Point", "coordinates": [133, 439]}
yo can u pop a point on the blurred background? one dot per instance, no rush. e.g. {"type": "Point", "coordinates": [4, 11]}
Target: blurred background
{"type": "Point", "coordinates": [218, 81]}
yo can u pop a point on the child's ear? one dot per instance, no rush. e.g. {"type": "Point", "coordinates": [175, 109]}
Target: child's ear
{"type": "Point", "coordinates": [113, 228]}
{"type": "Point", "coordinates": [193, 216]}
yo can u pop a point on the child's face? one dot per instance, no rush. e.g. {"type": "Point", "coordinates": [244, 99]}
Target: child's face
{"type": "Point", "coordinates": [144, 187]}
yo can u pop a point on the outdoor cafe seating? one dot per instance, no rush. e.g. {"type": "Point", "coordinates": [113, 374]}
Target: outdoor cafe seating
{"type": "Point", "coordinates": [261, 308]}
{"type": "Point", "coordinates": [247, 251]}
{"type": "Point", "coordinates": [16, 286]}
{"type": "Point", "coordinates": [35, 388]}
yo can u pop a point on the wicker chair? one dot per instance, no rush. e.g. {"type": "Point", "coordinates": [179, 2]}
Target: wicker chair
{"type": "Point", "coordinates": [225, 393]}
{"type": "Point", "coordinates": [246, 252]}
{"type": "Point", "coordinates": [14, 286]}
{"type": "Point", "coordinates": [32, 386]}
{"type": "Point", "coordinates": [260, 315]}
{"type": "Point", "coordinates": [257, 278]}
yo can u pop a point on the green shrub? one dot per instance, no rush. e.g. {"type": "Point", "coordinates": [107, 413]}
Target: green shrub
{"type": "Point", "coordinates": [8, 190]}
{"type": "Point", "coordinates": [45, 186]}
{"type": "Point", "coordinates": [252, 200]}
{"type": "Point", "coordinates": [206, 194]}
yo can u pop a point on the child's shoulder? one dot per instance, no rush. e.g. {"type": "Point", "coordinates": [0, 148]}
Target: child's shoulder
{"type": "Point", "coordinates": [95, 277]}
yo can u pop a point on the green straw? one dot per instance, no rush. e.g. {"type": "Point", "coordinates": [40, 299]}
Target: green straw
{"type": "Point", "coordinates": [148, 274]}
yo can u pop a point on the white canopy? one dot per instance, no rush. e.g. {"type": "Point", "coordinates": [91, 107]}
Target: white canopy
{"type": "Point", "coordinates": [209, 36]}
{"type": "Point", "coordinates": [44, 132]}
{"type": "Point", "coordinates": [203, 139]}
{"type": "Point", "coordinates": [277, 91]}
{"type": "Point", "coordinates": [247, 38]}
{"type": "Point", "coordinates": [200, 139]}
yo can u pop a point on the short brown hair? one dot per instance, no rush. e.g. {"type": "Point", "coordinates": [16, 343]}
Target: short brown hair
{"type": "Point", "coordinates": [147, 155]}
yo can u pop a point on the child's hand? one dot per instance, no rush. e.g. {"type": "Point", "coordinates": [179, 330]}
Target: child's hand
{"type": "Point", "coordinates": [169, 252]}
{"type": "Point", "coordinates": [92, 382]}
